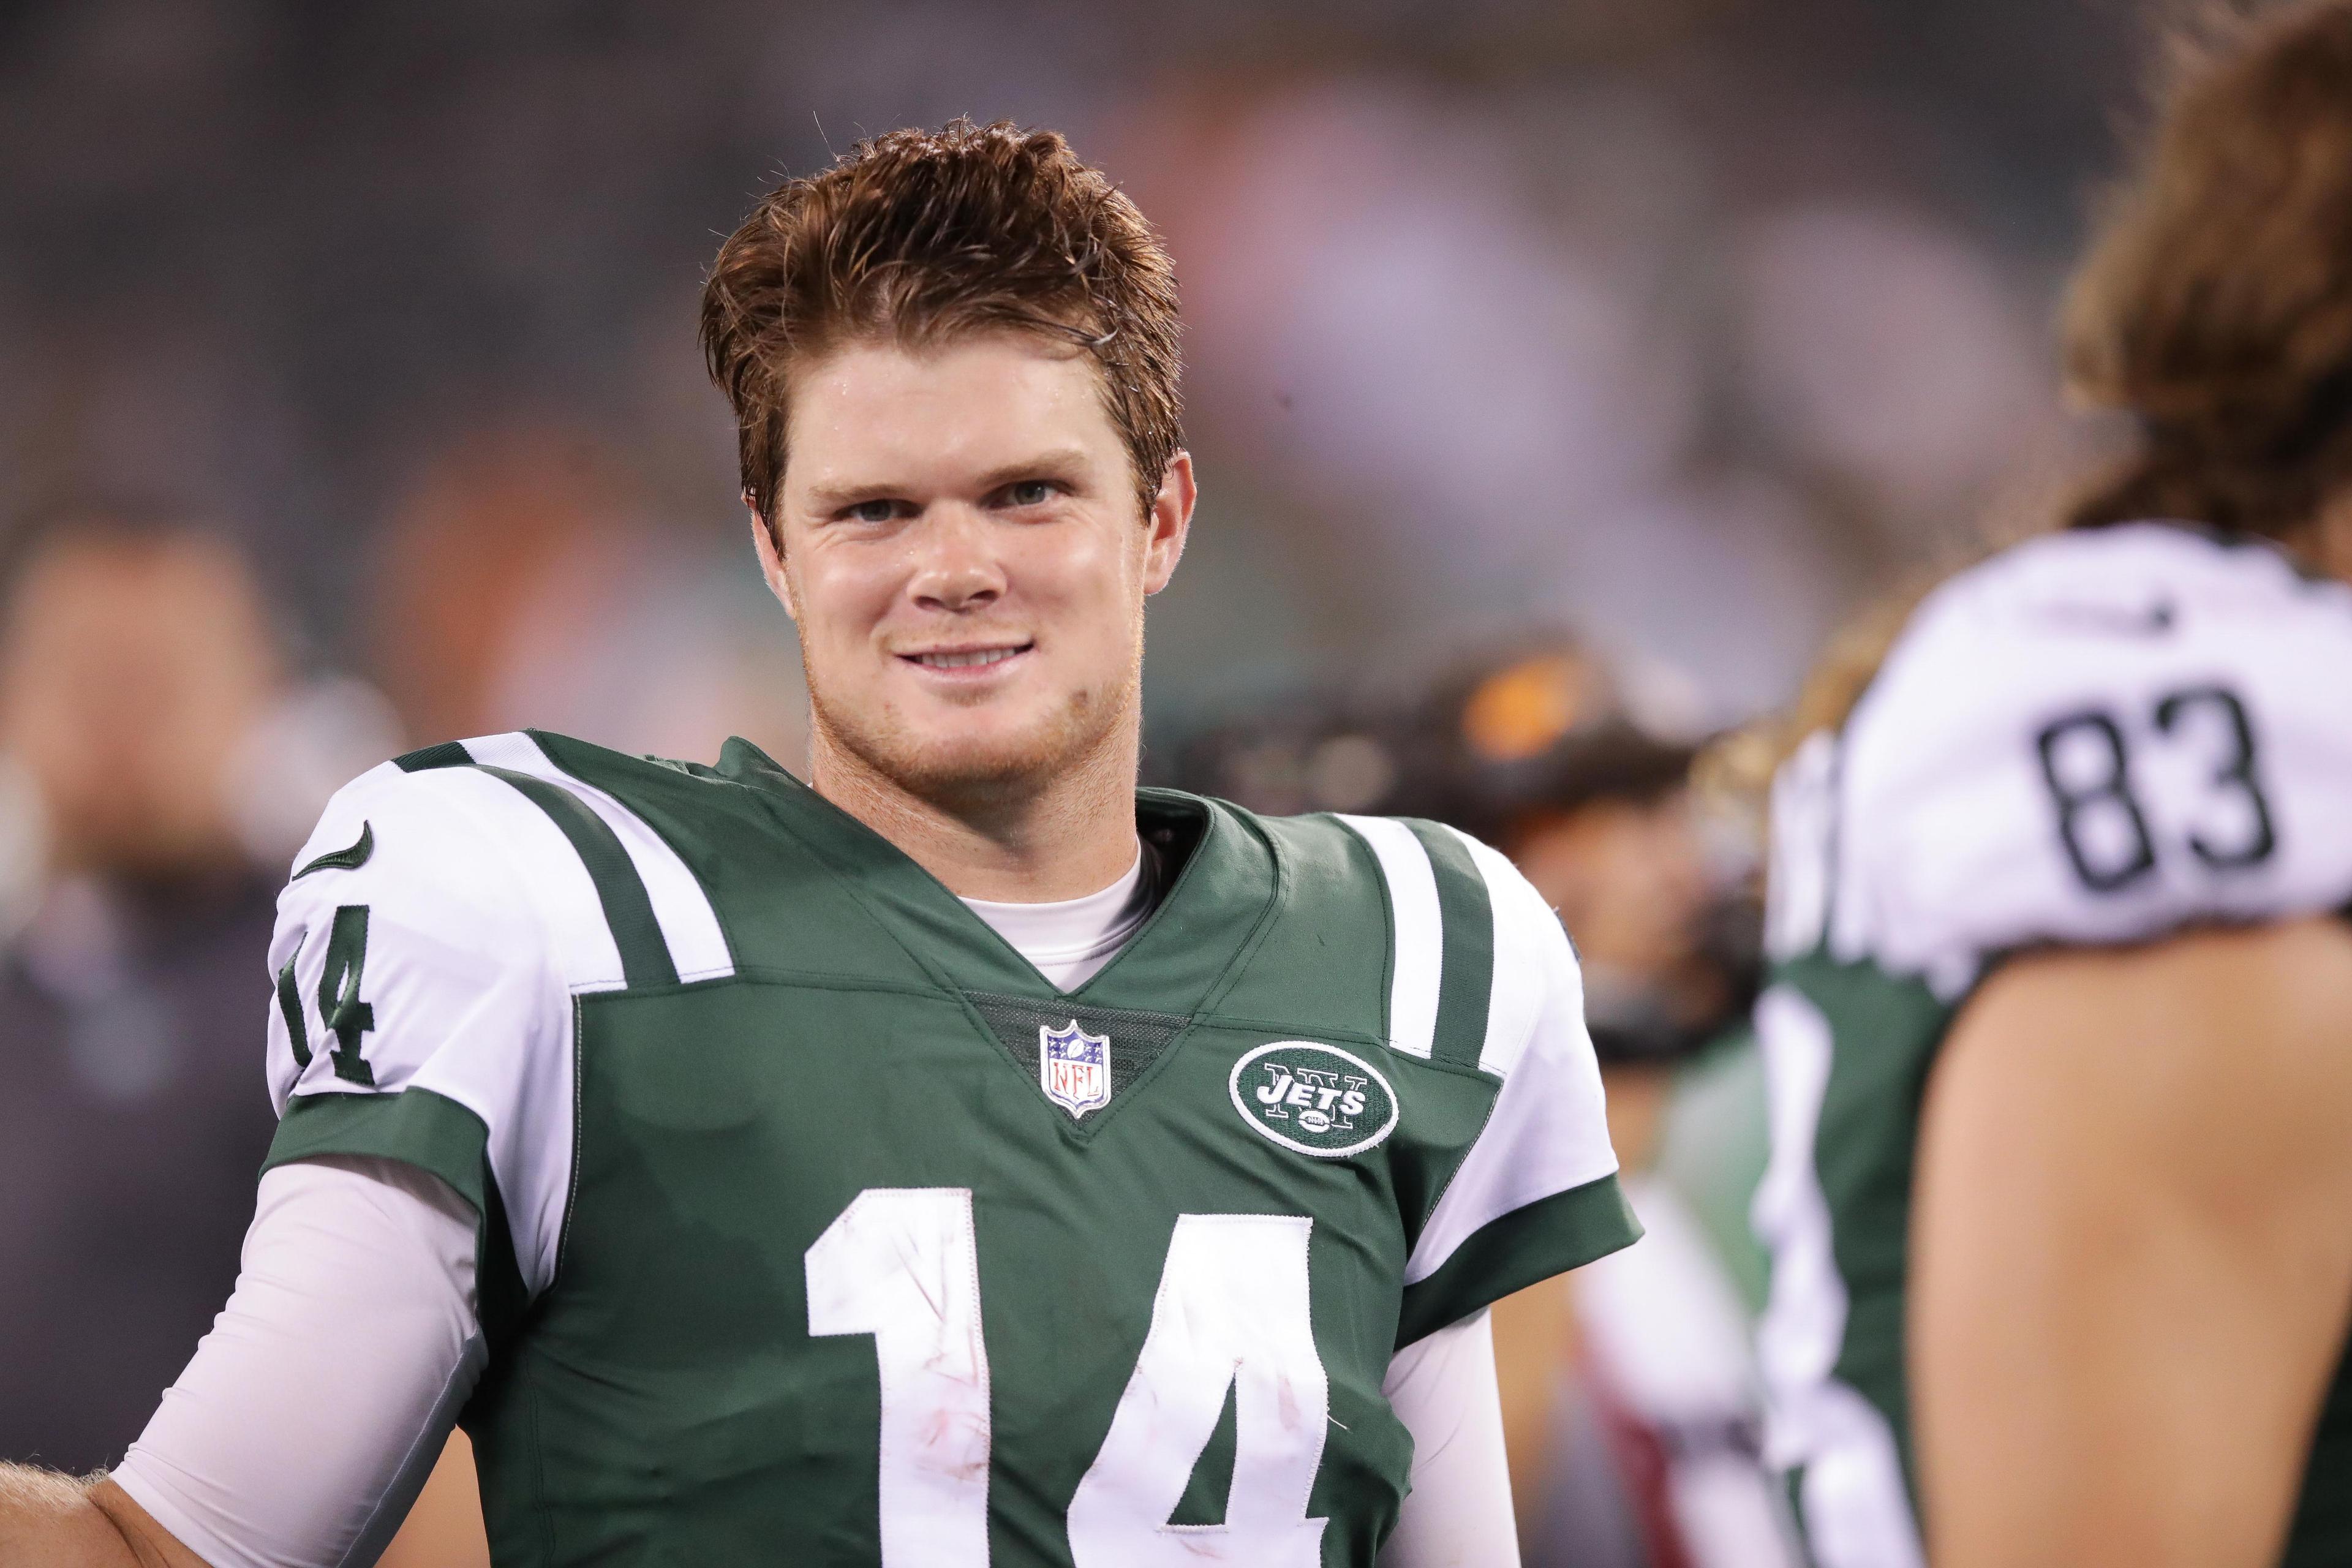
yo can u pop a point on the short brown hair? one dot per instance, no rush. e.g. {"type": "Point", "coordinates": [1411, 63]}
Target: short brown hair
{"type": "Point", "coordinates": [2216, 303]}
{"type": "Point", "coordinates": [916, 236]}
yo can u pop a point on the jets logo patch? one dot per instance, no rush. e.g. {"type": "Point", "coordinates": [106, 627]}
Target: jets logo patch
{"type": "Point", "coordinates": [1074, 1067]}
{"type": "Point", "coordinates": [1317, 1100]}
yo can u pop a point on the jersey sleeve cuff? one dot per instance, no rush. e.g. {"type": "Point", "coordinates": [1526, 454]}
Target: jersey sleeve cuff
{"type": "Point", "coordinates": [167, 1506]}
{"type": "Point", "coordinates": [1534, 1242]}
{"type": "Point", "coordinates": [415, 1126]}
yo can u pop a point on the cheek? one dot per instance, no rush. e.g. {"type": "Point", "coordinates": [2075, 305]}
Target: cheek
{"type": "Point", "coordinates": [1088, 585]}
{"type": "Point", "coordinates": [841, 593]}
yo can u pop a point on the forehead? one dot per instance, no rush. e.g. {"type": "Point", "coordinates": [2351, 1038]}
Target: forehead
{"type": "Point", "coordinates": [118, 576]}
{"type": "Point", "coordinates": [971, 402]}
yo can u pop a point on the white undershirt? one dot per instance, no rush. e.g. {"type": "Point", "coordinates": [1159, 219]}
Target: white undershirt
{"type": "Point", "coordinates": [299, 1433]}
{"type": "Point", "coordinates": [1069, 942]}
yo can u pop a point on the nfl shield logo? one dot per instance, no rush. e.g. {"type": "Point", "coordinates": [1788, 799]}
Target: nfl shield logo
{"type": "Point", "coordinates": [1074, 1067]}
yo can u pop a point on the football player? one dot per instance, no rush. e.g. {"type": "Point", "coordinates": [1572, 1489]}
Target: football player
{"type": "Point", "coordinates": [1630, 1405]}
{"type": "Point", "coordinates": [2061, 1043]}
{"type": "Point", "coordinates": [960, 1157]}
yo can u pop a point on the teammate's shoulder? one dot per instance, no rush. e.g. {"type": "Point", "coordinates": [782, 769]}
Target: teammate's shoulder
{"type": "Point", "coordinates": [2201, 569]}
{"type": "Point", "coordinates": [2056, 610]}
{"type": "Point", "coordinates": [2098, 626]}
{"type": "Point", "coordinates": [2093, 737]}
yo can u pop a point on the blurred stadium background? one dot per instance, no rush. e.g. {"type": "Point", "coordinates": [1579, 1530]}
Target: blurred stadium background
{"type": "Point", "coordinates": [1607, 349]}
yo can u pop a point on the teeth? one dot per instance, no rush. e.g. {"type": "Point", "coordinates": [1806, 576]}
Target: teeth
{"type": "Point", "coordinates": [965, 660]}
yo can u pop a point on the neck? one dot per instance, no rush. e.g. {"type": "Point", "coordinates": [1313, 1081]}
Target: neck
{"type": "Point", "coordinates": [1637, 1111]}
{"type": "Point", "coordinates": [1033, 840]}
{"type": "Point", "coordinates": [2326, 545]}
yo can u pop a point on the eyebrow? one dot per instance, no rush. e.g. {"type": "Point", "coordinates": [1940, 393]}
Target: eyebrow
{"type": "Point", "coordinates": [1059, 462]}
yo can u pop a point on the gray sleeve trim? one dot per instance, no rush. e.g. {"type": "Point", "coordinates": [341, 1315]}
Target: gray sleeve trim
{"type": "Point", "coordinates": [391, 1509]}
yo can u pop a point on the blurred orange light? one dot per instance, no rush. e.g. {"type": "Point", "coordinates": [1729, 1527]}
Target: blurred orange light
{"type": "Point", "coordinates": [1523, 708]}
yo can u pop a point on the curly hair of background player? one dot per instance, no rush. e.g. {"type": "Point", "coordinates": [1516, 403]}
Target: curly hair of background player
{"type": "Point", "coordinates": [2215, 305]}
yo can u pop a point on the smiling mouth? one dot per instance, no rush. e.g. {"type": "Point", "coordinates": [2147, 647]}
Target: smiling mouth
{"type": "Point", "coordinates": [965, 658]}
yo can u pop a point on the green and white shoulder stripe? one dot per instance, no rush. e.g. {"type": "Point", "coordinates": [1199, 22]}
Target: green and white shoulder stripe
{"type": "Point", "coordinates": [450, 907]}
{"type": "Point", "coordinates": [1482, 980]}
{"type": "Point", "coordinates": [661, 917]}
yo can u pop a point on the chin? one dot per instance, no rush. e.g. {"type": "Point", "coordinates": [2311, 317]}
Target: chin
{"type": "Point", "coordinates": [967, 759]}
{"type": "Point", "coordinates": [967, 766]}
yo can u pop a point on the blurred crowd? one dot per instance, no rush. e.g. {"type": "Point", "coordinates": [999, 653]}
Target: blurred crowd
{"type": "Point", "coordinates": [1682, 321]}
{"type": "Point", "coordinates": [349, 400]}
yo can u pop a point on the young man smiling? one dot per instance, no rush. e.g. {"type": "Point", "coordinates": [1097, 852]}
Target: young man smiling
{"type": "Point", "coordinates": [961, 1157]}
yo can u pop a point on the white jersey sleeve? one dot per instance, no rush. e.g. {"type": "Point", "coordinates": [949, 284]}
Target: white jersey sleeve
{"type": "Point", "coordinates": [422, 965]}
{"type": "Point", "coordinates": [2093, 738]}
{"type": "Point", "coordinates": [1484, 980]}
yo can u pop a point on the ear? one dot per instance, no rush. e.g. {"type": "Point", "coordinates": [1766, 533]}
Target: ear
{"type": "Point", "coordinates": [1170, 522]}
{"type": "Point", "coordinates": [764, 537]}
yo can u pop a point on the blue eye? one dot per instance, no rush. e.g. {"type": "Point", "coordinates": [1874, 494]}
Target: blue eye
{"type": "Point", "coordinates": [872, 511]}
{"type": "Point", "coordinates": [1029, 493]}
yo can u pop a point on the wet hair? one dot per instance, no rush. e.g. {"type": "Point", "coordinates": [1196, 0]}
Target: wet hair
{"type": "Point", "coordinates": [919, 236]}
{"type": "Point", "coordinates": [2215, 304]}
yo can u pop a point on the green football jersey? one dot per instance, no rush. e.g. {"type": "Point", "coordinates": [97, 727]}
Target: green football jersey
{"type": "Point", "coordinates": [819, 1228]}
{"type": "Point", "coordinates": [2093, 739]}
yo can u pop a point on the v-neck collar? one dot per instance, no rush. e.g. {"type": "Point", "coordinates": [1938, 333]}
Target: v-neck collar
{"type": "Point", "coordinates": [1181, 960]}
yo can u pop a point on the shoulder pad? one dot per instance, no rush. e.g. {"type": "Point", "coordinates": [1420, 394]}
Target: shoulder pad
{"type": "Point", "coordinates": [2094, 738]}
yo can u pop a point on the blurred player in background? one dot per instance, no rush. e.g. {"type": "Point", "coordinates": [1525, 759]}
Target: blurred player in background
{"type": "Point", "coordinates": [139, 678]}
{"type": "Point", "coordinates": [2061, 1039]}
{"type": "Point", "coordinates": [1631, 1398]}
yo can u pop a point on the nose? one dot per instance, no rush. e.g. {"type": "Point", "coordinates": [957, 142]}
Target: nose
{"type": "Point", "coordinates": [956, 565]}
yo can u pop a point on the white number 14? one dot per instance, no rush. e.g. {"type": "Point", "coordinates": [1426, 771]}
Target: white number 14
{"type": "Point", "coordinates": [902, 1264]}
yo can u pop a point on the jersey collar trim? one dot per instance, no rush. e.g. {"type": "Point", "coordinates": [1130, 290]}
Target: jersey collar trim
{"type": "Point", "coordinates": [1183, 958]}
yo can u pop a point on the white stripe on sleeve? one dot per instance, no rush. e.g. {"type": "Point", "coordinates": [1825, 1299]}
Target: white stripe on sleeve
{"type": "Point", "coordinates": [1523, 927]}
{"type": "Point", "coordinates": [1548, 1132]}
{"type": "Point", "coordinates": [1419, 936]}
{"type": "Point", "coordinates": [539, 859]}
{"type": "Point", "coordinates": [689, 926]}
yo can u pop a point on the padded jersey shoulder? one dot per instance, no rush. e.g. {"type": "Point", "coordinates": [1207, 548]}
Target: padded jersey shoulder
{"type": "Point", "coordinates": [2093, 738]}
{"type": "Point", "coordinates": [1479, 1004]}
{"type": "Point", "coordinates": [1473, 940]}
{"type": "Point", "coordinates": [422, 969]}
{"type": "Point", "coordinates": [446, 886]}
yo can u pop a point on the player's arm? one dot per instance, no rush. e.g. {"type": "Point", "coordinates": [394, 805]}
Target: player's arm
{"type": "Point", "coordinates": [1536, 1192]}
{"type": "Point", "coordinates": [1533, 1196]}
{"type": "Point", "coordinates": [1458, 1514]}
{"type": "Point", "coordinates": [2131, 1269]}
{"type": "Point", "coordinates": [278, 1445]}
{"type": "Point", "coordinates": [444, 1528]}
{"type": "Point", "coordinates": [49, 1521]}
{"type": "Point", "coordinates": [418, 1058]}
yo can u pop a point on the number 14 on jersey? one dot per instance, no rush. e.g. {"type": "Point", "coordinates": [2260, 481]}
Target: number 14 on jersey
{"type": "Point", "coordinates": [1231, 1313]}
